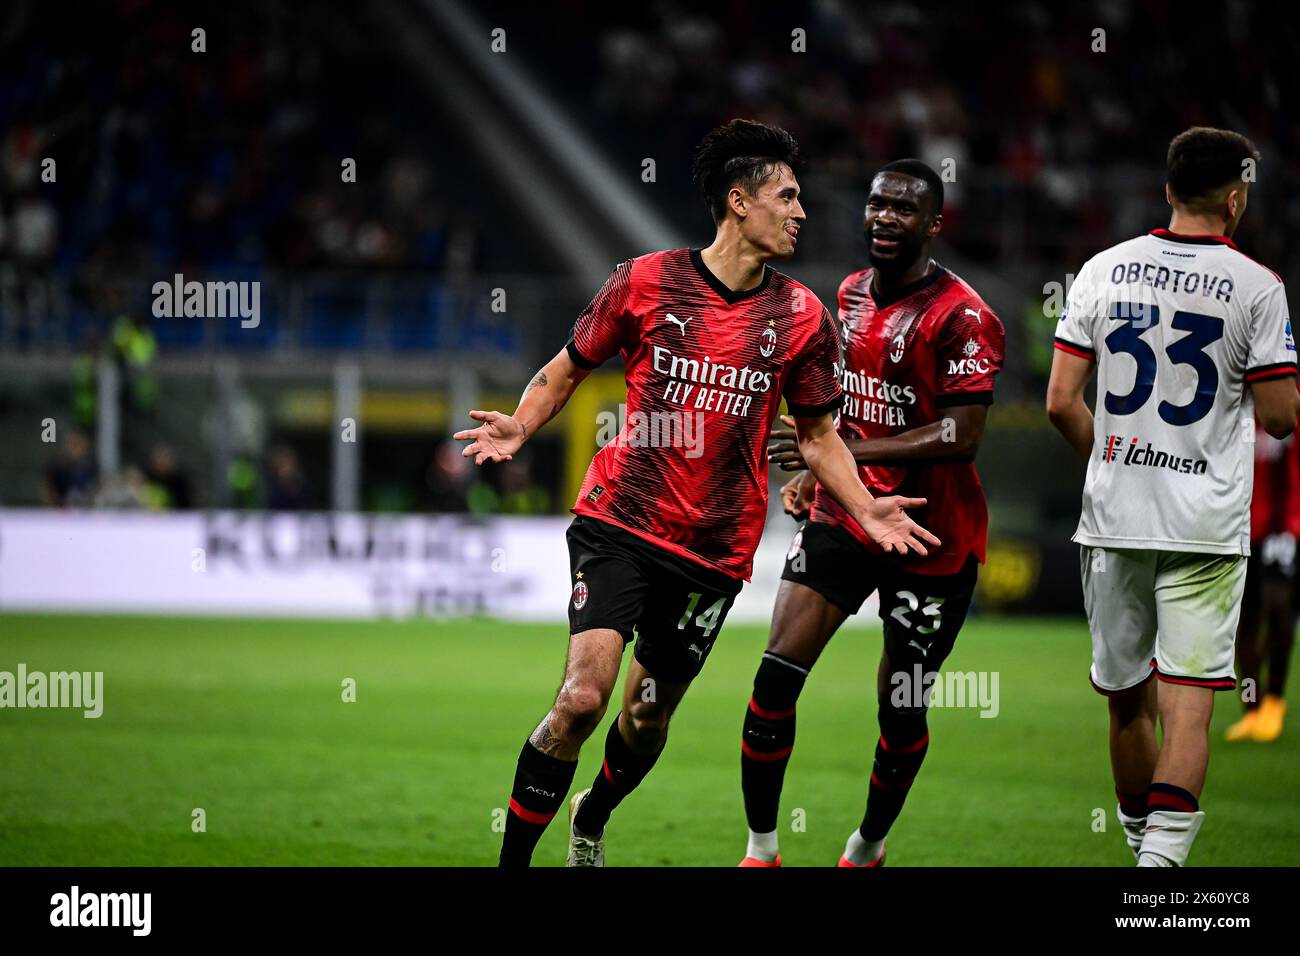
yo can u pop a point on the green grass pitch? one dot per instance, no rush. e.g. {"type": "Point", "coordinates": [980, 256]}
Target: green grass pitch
{"type": "Point", "coordinates": [245, 720]}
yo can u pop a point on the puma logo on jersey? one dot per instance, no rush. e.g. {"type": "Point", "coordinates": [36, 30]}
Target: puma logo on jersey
{"type": "Point", "coordinates": [680, 323]}
{"type": "Point", "coordinates": [974, 312]}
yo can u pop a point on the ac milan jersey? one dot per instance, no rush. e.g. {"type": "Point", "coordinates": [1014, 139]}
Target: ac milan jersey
{"type": "Point", "coordinates": [934, 345]}
{"type": "Point", "coordinates": [706, 369]}
{"type": "Point", "coordinates": [1180, 328]}
{"type": "Point", "coordinates": [1275, 506]}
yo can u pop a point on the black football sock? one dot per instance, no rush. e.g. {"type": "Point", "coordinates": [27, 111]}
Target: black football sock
{"type": "Point", "coordinates": [541, 782]}
{"type": "Point", "coordinates": [620, 774]}
{"type": "Point", "coordinates": [1132, 804]}
{"type": "Point", "coordinates": [900, 751]}
{"type": "Point", "coordinates": [1279, 656]}
{"type": "Point", "coordinates": [767, 739]}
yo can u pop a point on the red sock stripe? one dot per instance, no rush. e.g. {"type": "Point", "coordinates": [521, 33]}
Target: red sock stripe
{"type": "Point", "coordinates": [877, 782]}
{"type": "Point", "coordinates": [909, 749]}
{"type": "Point", "coordinates": [1170, 801]}
{"type": "Point", "coordinates": [770, 714]}
{"type": "Point", "coordinates": [604, 766]}
{"type": "Point", "coordinates": [529, 816]}
{"type": "Point", "coordinates": [761, 757]}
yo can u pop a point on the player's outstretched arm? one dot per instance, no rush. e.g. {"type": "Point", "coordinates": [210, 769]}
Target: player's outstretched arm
{"type": "Point", "coordinates": [500, 436]}
{"type": "Point", "coordinates": [1277, 403]}
{"type": "Point", "coordinates": [1065, 405]}
{"type": "Point", "coordinates": [883, 519]}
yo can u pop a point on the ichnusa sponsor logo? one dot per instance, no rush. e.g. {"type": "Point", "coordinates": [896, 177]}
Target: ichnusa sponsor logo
{"type": "Point", "coordinates": [1114, 450]}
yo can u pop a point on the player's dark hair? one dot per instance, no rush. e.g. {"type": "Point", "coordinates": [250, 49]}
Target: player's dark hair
{"type": "Point", "coordinates": [922, 171]}
{"type": "Point", "coordinates": [1203, 160]}
{"type": "Point", "coordinates": [740, 153]}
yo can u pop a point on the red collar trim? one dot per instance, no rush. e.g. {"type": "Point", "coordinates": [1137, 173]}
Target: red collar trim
{"type": "Point", "coordinates": [1200, 240]}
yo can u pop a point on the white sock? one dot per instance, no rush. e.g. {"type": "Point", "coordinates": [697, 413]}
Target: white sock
{"type": "Point", "coordinates": [1133, 828]}
{"type": "Point", "coordinates": [1169, 835]}
{"type": "Point", "coordinates": [762, 846]}
{"type": "Point", "coordinates": [860, 852]}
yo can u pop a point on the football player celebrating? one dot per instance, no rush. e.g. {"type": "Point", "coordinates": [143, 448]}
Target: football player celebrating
{"type": "Point", "coordinates": [666, 531]}
{"type": "Point", "coordinates": [921, 350]}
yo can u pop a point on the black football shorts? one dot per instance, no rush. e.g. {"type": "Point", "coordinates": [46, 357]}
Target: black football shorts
{"type": "Point", "coordinates": [675, 607]}
{"type": "Point", "coordinates": [922, 613]}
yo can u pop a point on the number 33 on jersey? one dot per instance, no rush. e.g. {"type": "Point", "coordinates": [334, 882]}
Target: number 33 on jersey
{"type": "Point", "coordinates": [1179, 327]}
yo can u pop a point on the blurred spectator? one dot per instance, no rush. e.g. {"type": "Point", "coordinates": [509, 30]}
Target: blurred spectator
{"type": "Point", "coordinates": [135, 349]}
{"type": "Point", "coordinates": [447, 479]}
{"type": "Point", "coordinates": [124, 489]}
{"type": "Point", "coordinates": [286, 488]}
{"type": "Point", "coordinates": [72, 477]}
{"type": "Point", "coordinates": [455, 485]}
{"type": "Point", "coordinates": [168, 487]}
{"type": "Point", "coordinates": [520, 494]}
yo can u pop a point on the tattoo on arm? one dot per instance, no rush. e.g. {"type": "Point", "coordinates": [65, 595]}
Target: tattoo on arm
{"type": "Point", "coordinates": [539, 380]}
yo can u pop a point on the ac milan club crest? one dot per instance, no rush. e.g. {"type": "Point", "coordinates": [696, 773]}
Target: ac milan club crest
{"type": "Point", "coordinates": [580, 594]}
{"type": "Point", "coordinates": [767, 342]}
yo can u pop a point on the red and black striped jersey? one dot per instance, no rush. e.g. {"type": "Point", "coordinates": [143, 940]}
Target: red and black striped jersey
{"type": "Point", "coordinates": [936, 344]}
{"type": "Point", "coordinates": [1275, 505]}
{"type": "Point", "coordinates": [706, 369]}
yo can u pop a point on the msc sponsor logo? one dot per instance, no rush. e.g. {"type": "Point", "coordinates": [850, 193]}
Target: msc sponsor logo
{"type": "Point", "coordinates": [972, 364]}
{"type": "Point", "coordinates": [968, 366]}
{"type": "Point", "coordinates": [1114, 450]}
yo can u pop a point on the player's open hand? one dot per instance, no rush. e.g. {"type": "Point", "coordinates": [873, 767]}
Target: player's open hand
{"type": "Point", "coordinates": [889, 526]}
{"type": "Point", "coordinates": [497, 439]}
{"type": "Point", "coordinates": [783, 449]}
{"type": "Point", "coordinates": [797, 495]}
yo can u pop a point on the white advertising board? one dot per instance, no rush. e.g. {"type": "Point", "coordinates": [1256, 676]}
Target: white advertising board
{"type": "Point", "coordinates": [309, 565]}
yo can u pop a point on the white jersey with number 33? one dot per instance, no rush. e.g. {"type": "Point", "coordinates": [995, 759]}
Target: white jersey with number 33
{"type": "Point", "coordinates": [1180, 327]}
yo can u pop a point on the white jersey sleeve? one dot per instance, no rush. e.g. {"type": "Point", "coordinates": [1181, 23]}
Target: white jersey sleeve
{"type": "Point", "coordinates": [1179, 326]}
{"type": "Point", "coordinates": [1080, 318]}
{"type": "Point", "coordinates": [1271, 347]}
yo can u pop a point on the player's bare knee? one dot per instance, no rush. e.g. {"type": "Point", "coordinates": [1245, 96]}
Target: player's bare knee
{"type": "Point", "coordinates": [579, 708]}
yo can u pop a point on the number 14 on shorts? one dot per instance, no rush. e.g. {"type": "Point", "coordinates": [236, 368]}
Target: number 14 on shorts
{"type": "Point", "coordinates": [708, 618]}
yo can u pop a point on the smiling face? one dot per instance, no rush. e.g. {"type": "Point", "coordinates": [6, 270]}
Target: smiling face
{"type": "Point", "coordinates": [772, 214]}
{"type": "Point", "coordinates": [897, 221]}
